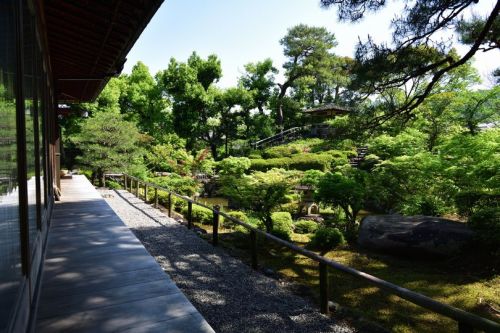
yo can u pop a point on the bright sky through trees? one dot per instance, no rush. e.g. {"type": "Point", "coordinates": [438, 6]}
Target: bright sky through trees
{"type": "Point", "coordinates": [242, 31]}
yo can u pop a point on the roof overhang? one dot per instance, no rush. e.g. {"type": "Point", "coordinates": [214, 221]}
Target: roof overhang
{"type": "Point", "coordinates": [328, 109]}
{"type": "Point", "coordinates": [88, 41]}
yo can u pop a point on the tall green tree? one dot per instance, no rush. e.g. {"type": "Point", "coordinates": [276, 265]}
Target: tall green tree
{"type": "Point", "coordinates": [258, 79]}
{"type": "Point", "coordinates": [307, 51]}
{"type": "Point", "coordinates": [416, 53]}
{"type": "Point", "coordinates": [191, 88]}
{"type": "Point", "coordinates": [233, 105]}
{"type": "Point", "coordinates": [141, 101]}
{"type": "Point", "coordinates": [202, 112]}
{"type": "Point", "coordinates": [473, 108]}
{"type": "Point", "coordinates": [108, 144]}
{"type": "Point", "coordinates": [435, 118]}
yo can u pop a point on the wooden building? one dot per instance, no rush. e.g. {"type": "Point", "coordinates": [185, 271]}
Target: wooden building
{"type": "Point", "coordinates": [51, 52]}
{"type": "Point", "coordinates": [326, 111]}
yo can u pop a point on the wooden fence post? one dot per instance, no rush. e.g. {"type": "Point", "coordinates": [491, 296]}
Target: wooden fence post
{"type": "Point", "coordinates": [190, 214]}
{"type": "Point", "coordinates": [253, 248]}
{"type": "Point", "coordinates": [125, 181]}
{"type": "Point", "coordinates": [169, 204]}
{"type": "Point", "coordinates": [215, 231]}
{"type": "Point", "coordinates": [323, 288]}
{"type": "Point", "coordinates": [465, 328]}
{"type": "Point", "coordinates": [156, 197]}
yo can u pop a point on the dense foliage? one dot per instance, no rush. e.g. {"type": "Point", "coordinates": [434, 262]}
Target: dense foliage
{"type": "Point", "coordinates": [108, 144]}
{"type": "Point", "coordinates": [179, 129]}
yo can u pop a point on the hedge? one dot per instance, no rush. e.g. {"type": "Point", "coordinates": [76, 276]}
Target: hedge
{"type": "Point", "coordinates": [302, 162]}
{"type": "Point", "coordinates": [199, 214]}
{"type": "Point", "coordinates": [228, 224]}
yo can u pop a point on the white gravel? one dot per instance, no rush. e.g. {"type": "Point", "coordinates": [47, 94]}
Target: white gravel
{"type": "Point", "coordinates": [229, 294]}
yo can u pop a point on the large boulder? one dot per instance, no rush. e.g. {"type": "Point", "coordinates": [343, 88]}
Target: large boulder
{"type": "Point", "coordinates": [413, 235]}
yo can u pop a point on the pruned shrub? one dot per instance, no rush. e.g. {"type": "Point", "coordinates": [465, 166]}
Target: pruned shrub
{"type": "Point", "coordinates": [199, 214]}
{"type": "Point", "coordinates": [113, 185]}
{"type": "Point", "coordinates": [233, 166]}
{"type": "Point", "coordinates": [305, 227]}
{"type": "Point", "coordinates": [282, 225]}
{"type": "Point", "coordinates": [326, 238]}
{"type": "Point", "coordinates": [179, 204]}
{"type": "Point", "coordinates": [306, 161]}
{"type": "Point", "coordinates": [240, 216]}
{"type": "Point", "coordinates": [255, 222]}
{"type": "Point", "coordinates": [179, 184]}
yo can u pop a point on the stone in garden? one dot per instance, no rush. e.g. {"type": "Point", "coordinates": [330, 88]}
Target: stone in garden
{"type": "Point", "coordinates": [414, 235]}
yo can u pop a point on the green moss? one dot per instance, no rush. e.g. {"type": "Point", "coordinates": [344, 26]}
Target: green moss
{"type": "Point", "coordinates": [467, 282]}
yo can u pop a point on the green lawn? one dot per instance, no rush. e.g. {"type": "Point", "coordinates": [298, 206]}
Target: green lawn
{"type": "Point", "coordinates": [471, 283]}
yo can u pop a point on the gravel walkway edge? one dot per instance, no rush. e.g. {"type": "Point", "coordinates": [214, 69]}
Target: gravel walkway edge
{"type": "Point", "coordinates": [229, 294]}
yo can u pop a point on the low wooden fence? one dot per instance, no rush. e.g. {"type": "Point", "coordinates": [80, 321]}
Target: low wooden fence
{"type": "Point", "coordinates": [466, 322]}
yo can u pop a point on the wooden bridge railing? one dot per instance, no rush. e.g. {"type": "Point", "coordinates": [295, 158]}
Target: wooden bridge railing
{"type": "Point", "coordinates": [466, 321]}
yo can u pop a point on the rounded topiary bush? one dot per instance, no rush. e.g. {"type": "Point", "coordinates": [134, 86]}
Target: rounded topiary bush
{"type": "Point", "coordinates": [305, 227]}
{"type": "Point", "coordinates": [178, 204]}
{"type": "Point", "coordinates": [199, 214]}
{"type": "Point", "coordinates": [113, 185]}
{"type": "Point", "coordinates": [326, 238]}
{"type": "Point", "coordinates": [228, 224]}
{"type": "Point", "coordinates": [253, 221]}
{"type": "Point", "coordinates": [282, 225]}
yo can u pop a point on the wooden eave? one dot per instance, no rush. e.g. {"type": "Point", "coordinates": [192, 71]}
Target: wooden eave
{"type": "Point", "coordinates": [87, 42]}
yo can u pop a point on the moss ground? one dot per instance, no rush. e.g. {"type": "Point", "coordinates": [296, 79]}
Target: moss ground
{"type": "Point", "coordinates": [470, 282]}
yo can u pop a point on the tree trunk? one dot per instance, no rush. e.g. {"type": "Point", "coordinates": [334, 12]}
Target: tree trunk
{"type": "Point", "coordinates": [268, 222]}
{"type": "Point", "coordinates": [213, 149]}
{"type": "Point", "coordinates": [261, 109]}
{"type": "Point", "coordinates": [100, 175]}
{"type": "Point", "coordinates": [279, 111]}
{"type": "Point", "coordinates": [226, 144]}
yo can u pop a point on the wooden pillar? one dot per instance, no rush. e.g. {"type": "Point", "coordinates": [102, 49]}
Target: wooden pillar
{"type": "Point", "coordinates": [169, 205]}
{"type": "Point", "coordinates": [215, 231]}
{"type": "Point", "coordinates": [323, 288]}
{"type": "Point", "coordinates": [190, 214]}
{"type": "Point", "coordinates": [465, 328]}
{"type": "Point", "coordinates": [253, 248]}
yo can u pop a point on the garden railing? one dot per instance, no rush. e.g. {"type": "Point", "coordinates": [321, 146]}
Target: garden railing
{"type": "Point", "coordinates": [466, 321]}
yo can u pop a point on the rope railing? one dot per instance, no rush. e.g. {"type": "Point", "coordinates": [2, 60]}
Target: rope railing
{"type": "Point", "coordinates": [466, 321]}
{"type": "Point", "coordinates": [279, 136]}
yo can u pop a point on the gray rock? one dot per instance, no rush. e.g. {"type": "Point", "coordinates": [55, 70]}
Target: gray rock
{"type": "Point", "coordinates": [414, 235]}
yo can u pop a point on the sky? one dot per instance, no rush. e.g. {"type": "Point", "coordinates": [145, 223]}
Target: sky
{"type": "Point", "coordinates": [243, 31]}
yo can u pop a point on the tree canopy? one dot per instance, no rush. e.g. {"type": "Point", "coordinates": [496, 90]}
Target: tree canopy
{"type": "Point", "coordinates": [108, 144]}
{"type": "Point", "coordinates": [417, 58]}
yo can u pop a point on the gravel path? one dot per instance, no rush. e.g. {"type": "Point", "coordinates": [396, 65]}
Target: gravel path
{"type": "Point", "coordinates": [228, 293]}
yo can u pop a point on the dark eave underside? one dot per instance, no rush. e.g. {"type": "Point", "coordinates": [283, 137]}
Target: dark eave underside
{"type": "Point", "coordinates": [88, 41]}
{"type": "Point", "coordinates": [328, 108]}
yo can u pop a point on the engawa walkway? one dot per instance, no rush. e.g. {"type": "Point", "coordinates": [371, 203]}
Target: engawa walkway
{"type": "Point", "coordinates": [99, 278]}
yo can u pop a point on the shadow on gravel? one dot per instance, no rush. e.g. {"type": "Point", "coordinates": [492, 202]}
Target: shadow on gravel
{"type": "Point", "coordinates": [228, 293]}
{"type": "Point", "coordinates": [134, 204]}
{"type": "Point", "coordinates": [231, 296]}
